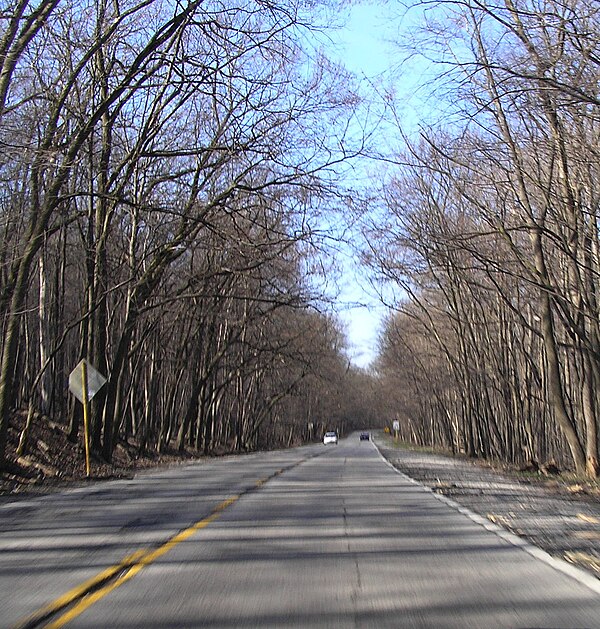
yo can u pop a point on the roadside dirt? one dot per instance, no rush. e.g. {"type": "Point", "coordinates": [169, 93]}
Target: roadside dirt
{"type": "Point", "coordinates": [51, 462]}
{"type": "Point", "coordinates": [557, 514]}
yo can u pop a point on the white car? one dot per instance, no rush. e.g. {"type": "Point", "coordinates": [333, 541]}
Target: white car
{"type": "Point", "coordinates": [330, 437]}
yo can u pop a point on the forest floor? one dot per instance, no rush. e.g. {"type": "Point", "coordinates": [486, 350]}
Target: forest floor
{"type": "Point", "coordinates": [559, 514]}
{"type": "Point", "coordinates": [51, 462]}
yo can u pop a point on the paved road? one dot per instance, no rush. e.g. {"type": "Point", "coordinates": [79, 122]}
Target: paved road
{"type": "Point", "coordinates": [333, 537]}
{"type": "Point", "coordinates": [560, 517]}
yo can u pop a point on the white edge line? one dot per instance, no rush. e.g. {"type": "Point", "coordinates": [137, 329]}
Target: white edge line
{"type": "Point", "coordinates": [562, 565]}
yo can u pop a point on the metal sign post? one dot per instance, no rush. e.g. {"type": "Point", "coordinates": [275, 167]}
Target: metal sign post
{"type": "Point", "coordinates": [86, 424]}
{"type": "Point", "coordinates": [84, 383]}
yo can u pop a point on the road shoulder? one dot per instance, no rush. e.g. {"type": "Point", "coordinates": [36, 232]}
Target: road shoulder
{"type": "Point", "coordinates": [565, 526]}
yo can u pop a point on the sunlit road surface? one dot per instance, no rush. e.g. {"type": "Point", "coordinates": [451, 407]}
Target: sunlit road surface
{"type": "Point", "coordinates": [323, 536]}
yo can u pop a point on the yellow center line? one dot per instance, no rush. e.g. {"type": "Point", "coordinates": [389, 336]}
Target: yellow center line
{"type": "Point", "coordinates": [81, 590]}
{"type": "Point", "coordinates": [588, 518]}
{"type": "Point", "coordinates": [91, 591]}
{"type": "Point", "coordinates": [144, 560]}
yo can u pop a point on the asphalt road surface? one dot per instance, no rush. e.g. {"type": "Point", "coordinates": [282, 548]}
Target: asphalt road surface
{"type": "Point", "coordinates": [319, 536]}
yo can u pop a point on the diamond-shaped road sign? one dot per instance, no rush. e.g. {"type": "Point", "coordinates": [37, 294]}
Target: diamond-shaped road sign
{"type": "Point", "coordinates": [95, 381]}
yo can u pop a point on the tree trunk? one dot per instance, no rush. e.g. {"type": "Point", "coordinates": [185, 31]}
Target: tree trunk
{"type": "Point", "coordinates": [10, 343]}
{"type": "Point", "coordinates": [555, 387]}
{"type": "Point", "coordinates": [590, 401]}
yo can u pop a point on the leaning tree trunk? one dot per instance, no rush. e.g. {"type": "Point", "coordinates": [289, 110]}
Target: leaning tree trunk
{"type": "Point", "coordinates": [10, 342]}
{"type": "Point", "coordinates": [555, 389]}
{"type": "Point", "coordinates": [590, 400]}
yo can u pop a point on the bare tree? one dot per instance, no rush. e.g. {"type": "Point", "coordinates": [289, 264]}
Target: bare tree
{"type": "Point", "coordinates": [504, 204]}
{"type": "Point", "coordinates": [147, 140]}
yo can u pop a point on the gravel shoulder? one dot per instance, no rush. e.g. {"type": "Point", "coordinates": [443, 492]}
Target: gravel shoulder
{"type": "Point", "coordinates": [559, 517]}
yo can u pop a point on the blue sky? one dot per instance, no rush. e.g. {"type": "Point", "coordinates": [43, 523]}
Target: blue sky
{"type": "Point", "coordinates": [364, 47]}
{"type": "Point", "coordinates": [363, 43]}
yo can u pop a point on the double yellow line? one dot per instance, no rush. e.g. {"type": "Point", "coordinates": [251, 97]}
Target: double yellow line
{"type": "Point", "coordinates": [77, 600]}
{"type": "Point", "coordinates": [80, 598]}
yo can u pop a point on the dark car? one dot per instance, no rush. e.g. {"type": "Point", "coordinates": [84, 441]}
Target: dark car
{"type": "Point", "coordinates": [365, 436]}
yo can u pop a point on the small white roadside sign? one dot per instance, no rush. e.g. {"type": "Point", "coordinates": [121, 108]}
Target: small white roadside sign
{"type": "Point", "coordinates": [95, 381]}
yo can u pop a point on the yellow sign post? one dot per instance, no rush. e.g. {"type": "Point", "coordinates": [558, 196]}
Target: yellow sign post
{"type": "Point", "coordinates": [84, 383]}
{"type": "Point", "coordinates": [86, 429]}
